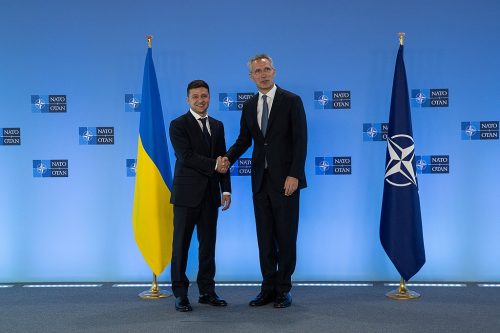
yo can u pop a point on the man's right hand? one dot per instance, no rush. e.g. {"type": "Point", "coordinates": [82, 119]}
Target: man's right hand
{"type": "Point", "coordinates": [222, 164]}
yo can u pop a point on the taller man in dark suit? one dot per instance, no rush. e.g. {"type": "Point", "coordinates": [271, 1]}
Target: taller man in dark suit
{"type": "Point", "coordinates": [276, 122]}
{"type": "Point", "coordinates": [200, 177]}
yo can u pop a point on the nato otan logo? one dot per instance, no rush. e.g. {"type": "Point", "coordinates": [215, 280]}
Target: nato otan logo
{"type": "Point", "coordinates": [480, 130]}
{"type": "Point", "coordinates": [50, 168]}
{"type": "Point", "coordinates": [335, 100]}
{"type": "Point", "coordinates": [375, 131]}
{"type": "Point", "coordinates": [11, 136]}
{"type": "Point", "coordinates": [340, 165]}
{"type": "Point", "coordinates": [433, 164]}
{"type": "Point", "coordinates": [434, 98]}
{"type": "Point", "coordinates": [242, 167]}
{"type": "Point", "coordinates": [132, 102]}
{"type": "Point", "coordinates": [48, 103]}
{"type": "Point", "coordinates": [131, 164]}
{"type": "Point", "coordinates": [97, 135]}
{"type": "Point", "coordinates": [233, 101]}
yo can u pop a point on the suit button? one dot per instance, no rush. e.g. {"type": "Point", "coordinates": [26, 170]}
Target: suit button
{"type": "Point", "coordinates": [265, 143]}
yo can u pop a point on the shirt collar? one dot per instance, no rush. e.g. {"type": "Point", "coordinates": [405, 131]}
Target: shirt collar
{"type": "Point", "coordinates": [270, 94]}
{"type": "Point", "coordinates": [196, 116]}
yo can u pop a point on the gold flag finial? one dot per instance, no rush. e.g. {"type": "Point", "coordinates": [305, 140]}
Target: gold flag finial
{"type": "Point", "coordinates": [401, 38]}
{"type": "Point", "coordinates": [150, 40]}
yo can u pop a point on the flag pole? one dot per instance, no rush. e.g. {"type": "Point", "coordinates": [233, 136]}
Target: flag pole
{"type": "Point", "coordinates": [402, 293]}
{"type": "Point", "coordinates": [154, 292]}
{"type": "Point", "coordinates": [401, 38]}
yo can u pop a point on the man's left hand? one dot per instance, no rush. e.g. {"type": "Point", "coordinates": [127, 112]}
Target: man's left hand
{"type": "Point", "coordinates": [291, 185]}
{"type": "Point", "coordinates": [226, 201]}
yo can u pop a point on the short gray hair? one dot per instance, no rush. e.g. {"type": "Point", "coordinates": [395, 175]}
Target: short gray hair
{"type": "Point", "coordinates": [259, 57]}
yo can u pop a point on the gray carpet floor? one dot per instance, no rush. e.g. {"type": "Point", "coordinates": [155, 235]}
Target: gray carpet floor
{"type": "Point", "coordinates": [314, 309]}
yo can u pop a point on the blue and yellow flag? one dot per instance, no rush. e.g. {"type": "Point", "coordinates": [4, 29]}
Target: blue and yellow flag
{"type": "Point", "coordinates": [400, 222]}
{"type": "Point", "coordinates": [152, 215]}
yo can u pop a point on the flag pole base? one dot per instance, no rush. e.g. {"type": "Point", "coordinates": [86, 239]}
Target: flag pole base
{"type": "Point", "coordinates": [154, 292]}
{"type": "Point", "coordinates": [150, 294]}
{"type": "Point", "coordinates": [406, 295]}
{"type": "Point", "coordinates": [402, 293]}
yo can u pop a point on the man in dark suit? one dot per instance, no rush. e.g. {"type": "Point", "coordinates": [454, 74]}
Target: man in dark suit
{"type": "Point", "coordinates": [199, 179]}
{"type": "Point", "coordinates": [276, 122]}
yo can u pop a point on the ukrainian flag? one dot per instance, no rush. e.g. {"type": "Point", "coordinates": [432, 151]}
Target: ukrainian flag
{"type": "Point", "coordinates": [152, 215]}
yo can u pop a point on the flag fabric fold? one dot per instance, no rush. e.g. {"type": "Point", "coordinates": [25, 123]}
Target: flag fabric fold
{"type": "Point", "coordinates": [400, 222]}
{"type": "Point", "coordinates": [152, 215]}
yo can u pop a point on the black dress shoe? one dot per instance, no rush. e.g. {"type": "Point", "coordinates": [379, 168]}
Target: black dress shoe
{"type": "Point", "coordinates": [283, 300]}
{"type": "Point", "coordinates": [182, 304]}
{"type": "Point", "coordinates": [262, 298]}
{"type": "Point", "coordinates": [212, 299]}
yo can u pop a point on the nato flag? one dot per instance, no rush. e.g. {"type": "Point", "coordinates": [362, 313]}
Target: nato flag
{"type": "Point", "coordinates": [400, 220]}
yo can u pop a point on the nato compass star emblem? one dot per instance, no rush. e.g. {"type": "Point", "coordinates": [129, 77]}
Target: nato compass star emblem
{"type": "Point", "coordinates": [421, 165]}
{"type": "Point", "coordinates": [227, 101]}
{"type": "Point", "coordinates": [134, 103]}
{"type": "Point", "coordinates": [87, 136]}
{"type": "Point", "coordinates": [323, 99]}
{"type": "Point", "coordinates": [399, 170]}
{"type": "Point", "coordinates": [372, 132]}
{"type": "Point", "coordinates": [470, 130]}
{"type": "Point", "coordinates": [41, 168]}
{"type": "Point", "coordinates": [420, 98]}
{"type": "Point", "coordinates": [39, 104]}
{"type": "Point", "coordinates": [133, 167]}
{"type": "Point", "coordinates": [323, 165]}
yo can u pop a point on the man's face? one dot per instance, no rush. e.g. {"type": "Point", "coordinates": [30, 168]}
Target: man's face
{"type": "Point", "coordinates": [262, 73]}
{"type": "Point", "coordinates": [198, 99]}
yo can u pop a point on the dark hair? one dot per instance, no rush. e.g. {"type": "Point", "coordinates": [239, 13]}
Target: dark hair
{"type": "Point", "coordinates": [197, 84]}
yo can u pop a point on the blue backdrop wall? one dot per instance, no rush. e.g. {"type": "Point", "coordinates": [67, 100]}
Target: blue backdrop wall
{"type": "Point", "coordinates": [68, 67]}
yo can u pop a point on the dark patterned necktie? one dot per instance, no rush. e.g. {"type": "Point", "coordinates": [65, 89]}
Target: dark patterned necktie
{"type": "Point", "coordinates": [206, 134]}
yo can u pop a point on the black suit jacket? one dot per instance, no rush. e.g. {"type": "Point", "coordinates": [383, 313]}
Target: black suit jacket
{"type": "Point", "coordinates": [285, 144]}
{"type": "Point", "coordinates": [195, 164]}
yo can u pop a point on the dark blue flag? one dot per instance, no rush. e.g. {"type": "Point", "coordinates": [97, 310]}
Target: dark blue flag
{"type": "Point", "coordinates": [400, 221]}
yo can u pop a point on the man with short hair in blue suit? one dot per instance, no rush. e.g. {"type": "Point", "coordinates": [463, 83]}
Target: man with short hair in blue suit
{"type": "Point", "coordinates": [275, 120]}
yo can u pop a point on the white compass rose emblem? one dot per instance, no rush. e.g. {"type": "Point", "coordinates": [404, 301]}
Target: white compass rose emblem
{"type": "Point", "coordinates": [323, 99]}
{"type": "Point", "coordinates": [227, 101]}
{"type": "Point", "coordinates": [134, 103]}
{"type": "Point", "coordinates": [399, 170]}
{"type": "Point", "coordinates": [323, 165]}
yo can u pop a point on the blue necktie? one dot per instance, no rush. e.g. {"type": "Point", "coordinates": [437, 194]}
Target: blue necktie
{"type": "Point", "coordinates": [265, 115]}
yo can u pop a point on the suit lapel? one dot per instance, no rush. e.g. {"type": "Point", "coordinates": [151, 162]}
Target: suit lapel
{"type": "Point", "coordinates": [213, 134]}
{"type": "Point", "coordinates": [252, 109]}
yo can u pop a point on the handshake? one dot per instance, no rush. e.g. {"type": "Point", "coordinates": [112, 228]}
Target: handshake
{"type": "Point", "coordinates": [222, 164]}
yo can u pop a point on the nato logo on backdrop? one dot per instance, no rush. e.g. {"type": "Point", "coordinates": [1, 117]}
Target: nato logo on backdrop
{"type": "Point", "coordinates": [96, 135]}
{"type": "Point", "coordinates": [432, 164]}
{"type": "Point", "coordinates": [132, 102]}
{"type": "Point", "coordinates": [479, 130]}
{"type": "Point", "coordinates": [10, 136]}
{"type": "Point", "coordinates": [375, 131]}
{"type": "Point", "coordinates": [233, 101]}
{"type": "Point", "coordinates": [340, 165]}
{"type": "Point", "coordinates": [242, 167]}
{"type": "Point", "coordinates": [48, 103]}
{"type": "Point", "coordinates": [50, 168]}
{"type": "Point", "coordinates": [335, 100]}
{"type": "Point", "coordinates": [131, 164]}
{"type": "Point", "coordinates": [434, 98]}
